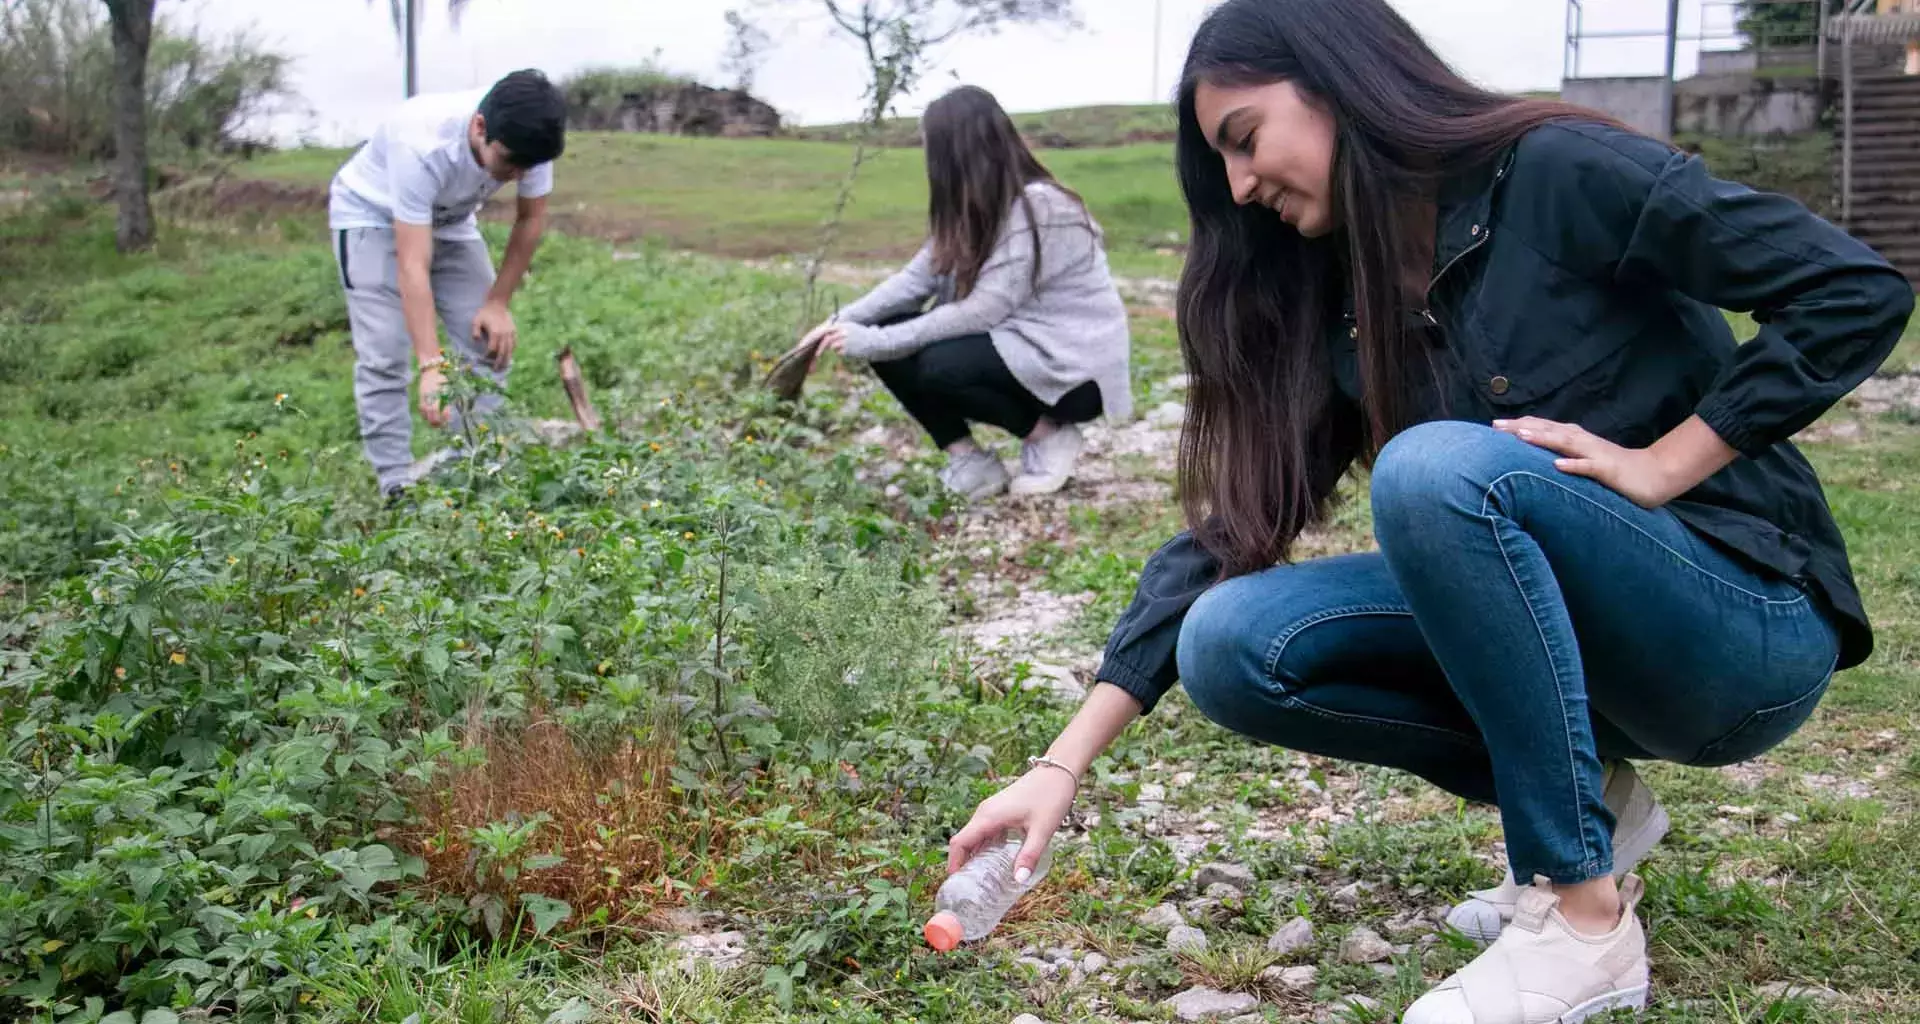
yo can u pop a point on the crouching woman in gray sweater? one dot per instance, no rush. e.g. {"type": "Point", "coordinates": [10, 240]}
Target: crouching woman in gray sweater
{"type": "Point", "coordinates": [1026, 331]}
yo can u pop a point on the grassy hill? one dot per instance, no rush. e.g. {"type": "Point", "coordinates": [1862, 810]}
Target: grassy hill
{"type": "Point", "coordinates": [1070, 128]}
{"type": "Point", "coordinates": [767, 197]}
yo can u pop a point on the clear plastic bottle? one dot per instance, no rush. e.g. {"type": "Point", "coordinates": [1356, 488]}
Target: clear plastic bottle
{"type": "Point", "coordinates": [974, 899]}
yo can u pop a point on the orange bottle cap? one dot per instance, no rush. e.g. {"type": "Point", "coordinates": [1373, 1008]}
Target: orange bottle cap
{"type": "Point", "coordinates": [943, 931]}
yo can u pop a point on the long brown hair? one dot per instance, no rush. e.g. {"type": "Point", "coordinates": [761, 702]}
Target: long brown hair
{"type": "Point", "coordinates": [1265, 440]}
{"type": "Point", "coordinates": [978, 166]}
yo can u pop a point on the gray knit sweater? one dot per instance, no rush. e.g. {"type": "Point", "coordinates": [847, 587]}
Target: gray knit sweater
{"type": "Point", "coordinates": [1070, 330]}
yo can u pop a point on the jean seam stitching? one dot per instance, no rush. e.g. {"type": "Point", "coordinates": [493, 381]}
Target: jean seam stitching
{"type": "Point", "coordinates": [1818, 689]}
{"type": "Point", "coordinates": [1278, 648]}
{"type": "Point", "coordinates": [1391, 723]}
{"type": "Point", "coordinates": [1650, 538]}
{"type": "Point", "coordinates": [1559, 689]}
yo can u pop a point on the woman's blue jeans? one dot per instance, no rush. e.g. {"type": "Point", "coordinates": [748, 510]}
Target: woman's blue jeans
{"type": "Point", "coordinates": [1518, 626]}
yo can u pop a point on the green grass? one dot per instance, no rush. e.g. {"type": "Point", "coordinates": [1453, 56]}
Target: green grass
{"type": "Point", "coordinates": [754, 197]}
{"type": "Point", "coordinates": [115, 370]}
{"type": "Point", "coordinates": [1071, 128]}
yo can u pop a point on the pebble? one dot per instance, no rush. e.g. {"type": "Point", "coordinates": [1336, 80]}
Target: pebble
{"type": "Point", "coordinates": [1162, 918]}
{"type": "Point", "coordinates": [1294, 979]}
{"type": "Point", "coordinates": [1224, 874]}
{"type": "Point", "coordinates": [1351, 1007]}
{"type": "Point", "coordinates": [1094, 963]}
{"type": "Point", "coordinates": [1364, 946]}
{"type": "Point", "coordinates": [1223, 891]}
{"type": "Point", "coordinates": [1294, 935]}
{"type": "Point", "coordinates": [724, 950]}
{"type": "Point", "coordinates": [1186, 939]}
{"type": "Point", "coordinates": [1784, 990]}
{"type": "Point", "coordinates": [1028, 1018]}
{"type": "Point", "coordinates": [1152, 793]}
{"type": "Point", "coordinates": [1208, 1004]}
{"type": "Point", "coordinates": [1045, 968]}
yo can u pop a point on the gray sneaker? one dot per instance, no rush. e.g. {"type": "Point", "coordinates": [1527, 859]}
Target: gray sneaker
{"type": "Point", "coordinates": [1047, 464]}
{"type": "Point", "coordinates": [1640, 823]}
{"type": "Point", "coordinates": [976, 475]}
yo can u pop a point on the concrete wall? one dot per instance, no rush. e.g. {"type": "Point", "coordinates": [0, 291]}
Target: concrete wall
{"type": "Point", "coordinates": [1740, 105]}
{"type": "Point", "coordinates": [1633, 100]}
{"type": "Point", "coordinates": [1732, 105]}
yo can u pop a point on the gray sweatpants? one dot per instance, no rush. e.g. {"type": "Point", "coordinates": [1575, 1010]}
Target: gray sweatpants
{"type": "Point", "coordinates": [462, 272]}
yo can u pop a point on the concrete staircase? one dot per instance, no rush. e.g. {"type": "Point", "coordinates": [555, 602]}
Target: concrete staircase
{"type": "Point", "coordinates": [1886, 167]}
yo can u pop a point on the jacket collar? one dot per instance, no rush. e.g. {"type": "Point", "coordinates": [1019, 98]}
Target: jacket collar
{"type": "Point", "coordinates": [1465, 208]}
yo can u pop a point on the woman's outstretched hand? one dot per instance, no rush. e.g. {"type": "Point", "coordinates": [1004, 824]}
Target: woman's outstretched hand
{"type": "Point", "coordinates": [1034, 804]}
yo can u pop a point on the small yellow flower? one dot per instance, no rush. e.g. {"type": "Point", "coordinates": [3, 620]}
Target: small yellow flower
{"type": "Point", "coordinates": [687, 535]}
{"type": "Point", "coordinates": [655, 446]}
{"type": "Point", "coordinates": [233, 560]}
{"type": "Point", "coordinates": [380, 609]}
{"type": "Point", "coordinates": [120, 672]}
{"type": "Point", "coordinates": [655, 504]}
{"type": "Point", "coordinates": [178, 657]}
{"type": "Point", "coordinates": [359, 591]}
{"type": "Point", "coordinates": [280, 398]}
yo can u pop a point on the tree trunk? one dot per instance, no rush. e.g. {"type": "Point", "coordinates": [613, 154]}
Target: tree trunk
{"type": "Point", "coordinates": [132, 36]}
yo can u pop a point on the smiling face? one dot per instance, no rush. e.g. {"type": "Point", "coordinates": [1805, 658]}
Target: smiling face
{"type": "Point", "coordinates": [1278, 145]}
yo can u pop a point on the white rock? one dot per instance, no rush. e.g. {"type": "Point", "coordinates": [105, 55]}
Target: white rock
{"type": "Point", "coordinates": [1224, 874]}
{"type": "Point", "coordinates": [1028, 1018]}
{"type": "Point", "coordinates": [1184, 778]}
{"type": "Point", "coordinates": [1186, 939]}
{"type": "Point", "coordinates": [1352, 1007]}
{"type": "Point", "coordinates": [1167, 414]}
{"type": "Point", "coordinates": [1054, 679]}
{"type": "Point", "coordinates": [1152, 792]}
{"type": "Point", "coordinates": [1293, 979]}
{"type": "Point", "coordinates": [1162, 918]}
{"type": "Point", "coordinates": [1349, 895]}
{"type": "Point", "coordinates": [1094, 963]}
{"type": "Point", "coordinates": [1177, 382]}
{"type": "Point", "coordinates": [1364, 946]}
{"type": "Point", "coordinates": [1045, 968]}
{"type": "Point", "coordinates": [1249, 1018]}
{"type": "Point", "coordinates": [1223, 891]}
{"type": "Point", "coordinates": [1294, 935]}
{"type": "Point", "coordinates": [1786, 990]}
{"type": "Point", "coordinates": [724, 950]}
{"type": "Point", "coordinates": [1207, 1004]}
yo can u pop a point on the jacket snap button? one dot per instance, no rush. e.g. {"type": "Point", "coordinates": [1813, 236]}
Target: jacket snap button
{"type": "Point", "coordinates": [1499, 385]}
{"type": "Point", "coordinates": [1353, 332]}
{"type": "Point", "coordinates": [1475, 231]}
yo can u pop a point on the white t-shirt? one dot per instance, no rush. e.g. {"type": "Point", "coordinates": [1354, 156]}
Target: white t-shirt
{"type": "Point", "coordinates": [418, 169]}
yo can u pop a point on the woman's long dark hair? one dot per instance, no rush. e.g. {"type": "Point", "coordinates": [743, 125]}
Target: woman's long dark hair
{"type": "Point", "coordinates": [1263, 446]}
{"type": "Point", "coordinates": [978, 166]}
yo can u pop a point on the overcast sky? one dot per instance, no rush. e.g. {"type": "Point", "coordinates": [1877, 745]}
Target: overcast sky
{"type": "Point", "coordinates": [348, 65]}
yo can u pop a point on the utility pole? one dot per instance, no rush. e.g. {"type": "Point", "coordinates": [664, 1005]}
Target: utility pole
{"type": "Point", "coordinates": [1666, 84]}
{"type": "Point", "coordinates": [413, 47]}
{"type": "Point", "coordinates": [1157, 5]}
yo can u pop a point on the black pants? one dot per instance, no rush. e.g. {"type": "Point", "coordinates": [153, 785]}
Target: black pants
{"type": "Point", "coordinates": [952, 384]}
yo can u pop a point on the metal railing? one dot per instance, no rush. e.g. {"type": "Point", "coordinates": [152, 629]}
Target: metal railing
{"type": "Point", "coordinates": [1776, 47]}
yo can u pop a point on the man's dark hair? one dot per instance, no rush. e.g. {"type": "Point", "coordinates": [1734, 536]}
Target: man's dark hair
{"type": "Point", "coordinates": [528, 115]}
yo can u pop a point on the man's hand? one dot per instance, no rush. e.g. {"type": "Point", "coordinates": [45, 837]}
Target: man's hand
{"type": "Point", "coordinates": [493, 326]}
{"type": "Point", "coordinates": [433, 380]}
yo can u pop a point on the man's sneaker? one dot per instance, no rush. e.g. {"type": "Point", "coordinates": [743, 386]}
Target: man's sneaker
{"type": "Point", "coordinates": [976, 475]}
{"type": "Point", "coordinates": [1047, 464]}
{"type": "Point", "coordinates": [1541, 971]}
{"type": "Point", "coordinates": [1639, 823]}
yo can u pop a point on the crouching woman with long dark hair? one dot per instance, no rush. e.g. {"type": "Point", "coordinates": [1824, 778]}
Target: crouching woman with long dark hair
{"type": "Point", "coordinates": [1596, 544]}
{"type": "Point", "coordinates": [1026, 331]}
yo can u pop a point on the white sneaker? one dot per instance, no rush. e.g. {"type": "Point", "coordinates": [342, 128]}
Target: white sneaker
{"type": "Point", "coordinates": [975, 475]}
{"type": "Point", "coordinates": [1047, 464]}
{"type": "Point", "coordinates": [1541, 971]}
{"type": "Point", "coordinates": [1640, 823]}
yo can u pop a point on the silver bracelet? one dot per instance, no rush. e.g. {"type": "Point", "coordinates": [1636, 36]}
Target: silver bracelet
{"type": "Point", "coordinates": [1034, 762]}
